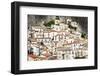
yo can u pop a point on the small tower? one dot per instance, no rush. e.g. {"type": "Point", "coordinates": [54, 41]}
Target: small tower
{"type": "Point", "coordinates": [57, 20]}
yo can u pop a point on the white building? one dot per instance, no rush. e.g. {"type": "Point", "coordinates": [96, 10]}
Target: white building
{"type": "Point", "coordinates": [64, 53]}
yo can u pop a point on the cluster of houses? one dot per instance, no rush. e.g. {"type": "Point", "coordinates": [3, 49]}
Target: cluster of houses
{"type": "Point", "coordinates": [56, 43]}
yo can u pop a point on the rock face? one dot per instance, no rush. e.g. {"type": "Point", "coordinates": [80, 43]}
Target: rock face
{"type": "Point", "coordinates": [83, 22]}
{"type": "Point", "coordinates": [36, 20]}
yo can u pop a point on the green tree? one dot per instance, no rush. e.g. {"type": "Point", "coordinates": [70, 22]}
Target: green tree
{"type": "Point", "coordinates": [83, 35]}
{"type": "Point", "coordinates": [49, 23]}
